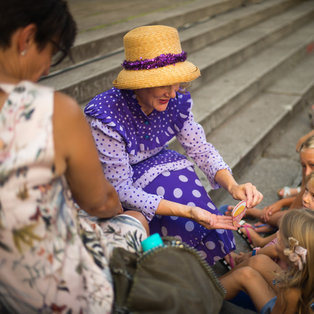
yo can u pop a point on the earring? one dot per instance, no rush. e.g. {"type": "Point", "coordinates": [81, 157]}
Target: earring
{"type": "Point", "coordinates": [23, 53]}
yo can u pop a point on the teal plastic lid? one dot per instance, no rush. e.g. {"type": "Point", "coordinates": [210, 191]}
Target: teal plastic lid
{"type": "Point", "coordinates": [151, 242]}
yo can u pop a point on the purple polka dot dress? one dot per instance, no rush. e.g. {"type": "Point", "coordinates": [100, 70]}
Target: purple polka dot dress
{"type": "Point", "coordinates": [133, 151]}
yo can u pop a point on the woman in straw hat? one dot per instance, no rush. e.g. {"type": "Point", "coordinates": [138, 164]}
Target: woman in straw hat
{"type": "Point", "coordinates": [132, 124]}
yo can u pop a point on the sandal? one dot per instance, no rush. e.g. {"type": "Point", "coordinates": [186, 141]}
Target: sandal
{"type": "Point", "coordinates": [229, 265]}
{"type": "Point", "coordinates": [287, 191]}
{"type": "Point", "coordinates": [268, 228]}
{"type": "Point", "coordinates": [246, 236]}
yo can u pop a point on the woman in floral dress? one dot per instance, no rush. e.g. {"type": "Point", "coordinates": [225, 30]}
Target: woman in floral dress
{"type": "Point", "coordinates": [51, 260]}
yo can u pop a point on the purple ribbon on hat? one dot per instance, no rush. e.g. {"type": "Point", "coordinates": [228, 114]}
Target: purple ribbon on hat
{"type": "Point", "coordinates": [157, 62]}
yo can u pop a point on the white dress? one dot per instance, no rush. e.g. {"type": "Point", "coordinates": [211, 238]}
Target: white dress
{"type": "Point", "coordinates": [51, 259]}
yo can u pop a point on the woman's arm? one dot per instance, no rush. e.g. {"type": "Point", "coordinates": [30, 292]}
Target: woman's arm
{"type": "Point", "coordinates": [76, 157]}
{"type": "Point", "coordinates": [114, 158]}
{"type": "Point", "coordinates": [116, 166]}
{"type": "Point", "coordinates": [199, 215]}
{"type": "Point", "coordinates": [193, 139]}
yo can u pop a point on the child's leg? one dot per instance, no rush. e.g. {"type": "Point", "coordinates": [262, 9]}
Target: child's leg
{"type": "Point", "coordinates": [250, 281]}
{"type": "Point", "coordinates": [254, 212]}
{"type": "Point", "coordinates": [265, 266]}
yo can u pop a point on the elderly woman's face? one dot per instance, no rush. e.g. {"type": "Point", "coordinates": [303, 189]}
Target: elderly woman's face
{"type": "Point", "coordinates": [156, 97]}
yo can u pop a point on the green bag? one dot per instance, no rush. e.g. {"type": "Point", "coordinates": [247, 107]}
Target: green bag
{"type": "Point", "coordinates": [169, 279]}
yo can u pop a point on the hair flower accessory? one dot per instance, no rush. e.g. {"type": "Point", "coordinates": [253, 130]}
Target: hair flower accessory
{"type": "Point", "coordinates": [296, 254]}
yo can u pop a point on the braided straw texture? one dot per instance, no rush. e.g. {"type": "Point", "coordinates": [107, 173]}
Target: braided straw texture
{"type": "Point", "coordinates": [148, 42]}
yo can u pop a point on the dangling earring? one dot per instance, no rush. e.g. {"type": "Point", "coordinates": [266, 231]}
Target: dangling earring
{"type": "Point", "coordinates": [23, 53]}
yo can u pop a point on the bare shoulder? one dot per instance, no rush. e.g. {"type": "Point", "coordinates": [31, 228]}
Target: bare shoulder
{"type": "Point", "coordinates": [66, 106]}
{"type": "Point", "coordinates": [70, 128]}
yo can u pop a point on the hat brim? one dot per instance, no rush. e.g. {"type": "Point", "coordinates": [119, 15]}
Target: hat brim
{"type": "Point", "coordinates": [168, 75]}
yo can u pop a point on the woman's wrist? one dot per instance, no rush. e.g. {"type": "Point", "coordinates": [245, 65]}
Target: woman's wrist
{"type": "Point", "coordinates": [232, 188]}
{"type": "Point", "coordinates": [224, 178]}
{"type": "Point", "coordinates": [195, 213]}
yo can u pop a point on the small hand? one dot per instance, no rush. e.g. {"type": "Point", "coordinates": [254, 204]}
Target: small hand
{"type": "Point", "coordinates": [247, 192]}
{"type": "Point", "coordinates": [242, 256]}
{"type": "Point", "coordinates": [270, 210]}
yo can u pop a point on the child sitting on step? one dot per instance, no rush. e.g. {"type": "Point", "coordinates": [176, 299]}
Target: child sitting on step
{"type": "Point", "coordinates": [271, 214]}
{"type": "Point", "coordinates": [267, 245]}
{"type": "Point", "coordinates": [277, 290]}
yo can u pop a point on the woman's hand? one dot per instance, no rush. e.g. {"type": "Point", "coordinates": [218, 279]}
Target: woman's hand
{"type": "Point", "coordinates": [247, 192]}
{"type": "Point", "coordinates": [212, 221]}
{"type": "Point", "coordinates": [244, 192]}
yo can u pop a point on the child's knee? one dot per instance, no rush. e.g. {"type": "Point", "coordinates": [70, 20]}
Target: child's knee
{"type": "Point", "coordinates": [246, 274]}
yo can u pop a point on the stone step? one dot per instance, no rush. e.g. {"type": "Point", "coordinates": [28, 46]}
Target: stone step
{"type": "Point", "coordinates": [90, 79]}
{"type": "Point", "coordinates": [233, 89]}
{"type": "Point", "coordinates": [242, 138]}
{"type": "Point", "coordinates": [211, 29]}
{"type": "Point", "coordinates": [93, 44]}
{"type": "Point", "coordinates": [218, 100]}
{"type": "Point", "coordinates": [107, 38]}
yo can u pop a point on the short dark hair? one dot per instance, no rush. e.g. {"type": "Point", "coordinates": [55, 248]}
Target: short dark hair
{"type": "Point", "coordinates": [52, 18]}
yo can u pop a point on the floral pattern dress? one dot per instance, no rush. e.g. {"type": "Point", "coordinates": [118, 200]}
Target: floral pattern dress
{"type": "Point", "coordinates": [53, 258]}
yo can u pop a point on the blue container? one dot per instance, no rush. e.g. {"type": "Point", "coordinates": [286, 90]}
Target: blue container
{"type": "Point", "coordinates": [152, 242]}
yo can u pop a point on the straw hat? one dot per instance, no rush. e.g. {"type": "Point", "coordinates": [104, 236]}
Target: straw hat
{"type": "Point", "coordinates": [154, 57]}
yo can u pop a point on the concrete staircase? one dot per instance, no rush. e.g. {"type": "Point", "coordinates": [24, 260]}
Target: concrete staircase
{"type": "Point", "coordinates": [256, 60]}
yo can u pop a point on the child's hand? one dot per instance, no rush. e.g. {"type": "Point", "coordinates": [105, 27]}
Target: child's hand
{"type": "Point", "coordinates": [242, 256]}
{"type": "Point", "coordinates": [270, 210]}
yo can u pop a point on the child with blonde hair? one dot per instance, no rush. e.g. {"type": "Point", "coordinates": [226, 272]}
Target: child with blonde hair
{"type": "Point", "coordinates": [274, 289]}
{"type": "Point", "coordinates": [259, 241]}
{"type": "Point", "coordinates": [272, 214]}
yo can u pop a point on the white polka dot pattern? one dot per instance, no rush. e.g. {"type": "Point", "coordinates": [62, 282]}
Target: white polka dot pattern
{"type": "Point", "coordinates": [116, 119]}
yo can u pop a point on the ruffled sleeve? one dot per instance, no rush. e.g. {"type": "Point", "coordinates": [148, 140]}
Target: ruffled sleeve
{"type": "Point", "coordinates": [111, 108]}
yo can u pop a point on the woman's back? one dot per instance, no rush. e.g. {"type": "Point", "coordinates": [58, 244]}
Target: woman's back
{"type": "Point", "coordinates": [43, 260]}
